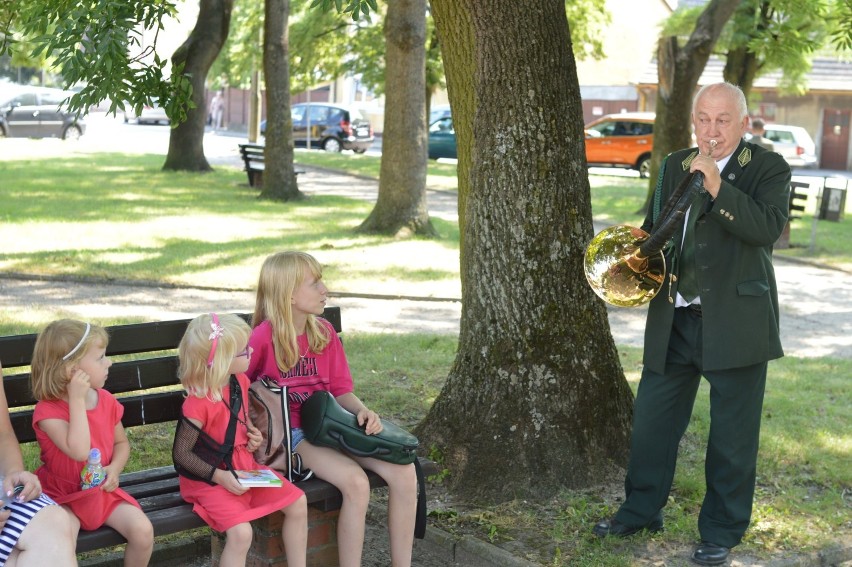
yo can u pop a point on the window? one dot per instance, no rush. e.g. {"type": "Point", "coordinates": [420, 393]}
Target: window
{"type": "Point", "coordinates": [443, 126]}
{"type": "Point", "coordinates": [319, 113]}
{"type": "Point", "coordinates": [26, 99]}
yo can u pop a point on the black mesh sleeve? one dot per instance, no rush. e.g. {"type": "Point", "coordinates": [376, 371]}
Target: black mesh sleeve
{"type": "Point", "coordinates": [195, 454]}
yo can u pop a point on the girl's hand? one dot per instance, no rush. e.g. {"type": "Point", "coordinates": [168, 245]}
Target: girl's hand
{"type": "Point", "coordinates": [4, 515]}
{"type": "Point", "coordinates": [254, 439]}
{"type": "Point", "coordinates": [78, 385]}
{"type": "Point", "coordinates": [369, 420]}
{"type": "Point", "coordinates": [110, 483]}
{"type": "Point", "coordinates": [229, 482]}
{"type": "Point", "coordinates": [30, 482]}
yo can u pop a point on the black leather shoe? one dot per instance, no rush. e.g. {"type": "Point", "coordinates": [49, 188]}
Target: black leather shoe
{"type": "Point", "coordinates": [710, 554]}
{"type": "Point", "coordinates": [615, 528]}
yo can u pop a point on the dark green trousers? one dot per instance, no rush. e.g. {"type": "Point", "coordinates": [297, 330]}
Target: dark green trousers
{"type": "Point", "coordinates": [661, 415]}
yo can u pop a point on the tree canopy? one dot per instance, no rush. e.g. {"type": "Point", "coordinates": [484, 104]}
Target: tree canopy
{"type": "Point", "coordinates": [99, 46]}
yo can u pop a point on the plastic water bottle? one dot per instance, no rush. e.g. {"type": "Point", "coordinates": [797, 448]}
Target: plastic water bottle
{"type": "Point", "coordinates": [93, 473]}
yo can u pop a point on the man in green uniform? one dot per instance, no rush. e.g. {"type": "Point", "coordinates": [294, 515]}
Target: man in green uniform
{"type": "Point", "coordinates": [716, 315]}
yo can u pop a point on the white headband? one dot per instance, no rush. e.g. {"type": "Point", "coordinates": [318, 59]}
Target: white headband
{"type": "Point", "coordinates": [83, 338]}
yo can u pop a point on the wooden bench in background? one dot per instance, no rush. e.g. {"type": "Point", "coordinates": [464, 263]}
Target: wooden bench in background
{"type": "Point", "coordinates": [253, 159]}
{"type": "Point", "coordinates": [149, 390]}
{"type": "Point", "coordinates": [795, 209]}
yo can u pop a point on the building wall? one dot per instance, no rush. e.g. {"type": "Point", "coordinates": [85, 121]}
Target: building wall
{"type": "Point", "coordinates": [630, 42]}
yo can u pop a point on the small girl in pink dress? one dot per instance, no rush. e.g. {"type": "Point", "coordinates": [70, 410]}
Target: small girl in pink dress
{"type": "Point", "coordinates": [75, 414]}
{"type": "Point", "coordinates": [214, 355]}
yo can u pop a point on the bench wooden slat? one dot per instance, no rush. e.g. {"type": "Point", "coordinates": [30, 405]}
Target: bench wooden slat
{"type": "Point", "coordinates": [124, 377]}
{"type": "Point", "coordinates": [166, 521]}
{"type": "Point", "coordinates": [144, 409]}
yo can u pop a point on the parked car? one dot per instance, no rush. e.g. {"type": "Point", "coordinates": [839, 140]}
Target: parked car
{"type": "Point", "coordinates": [333, 127]}
{"type": "Point", "coordinates": [442, 139]}
{"type": "Point", "coordinates": [794, 143]}
{"type": "Point", "coordinates": [37, 112]}
{"type": "Point", "coordinates": [151, 114]}
{"type": "Point", "coordinates": [439, 111]}
{"type": "Point", "coordinates": [621, 140]}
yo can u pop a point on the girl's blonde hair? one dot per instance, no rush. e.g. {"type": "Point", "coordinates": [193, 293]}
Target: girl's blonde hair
{"type": "Point", "coordinates": [197, 378]}
{"type": "Point", "coordinates": [280, 275]}
{"type": "Point", "coordinates": [53, 357]}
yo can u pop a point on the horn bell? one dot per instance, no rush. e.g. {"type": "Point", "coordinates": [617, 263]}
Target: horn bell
{"type": "Point", "coordinates": [618, 272]}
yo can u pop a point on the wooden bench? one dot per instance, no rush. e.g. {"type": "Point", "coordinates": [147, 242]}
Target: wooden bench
{"type": "Point", "coordinates": [150, 393]}
{"type": "Point", "coordinates": [794, 209]}
{"type": "Point", "coordinates": [253, 158]}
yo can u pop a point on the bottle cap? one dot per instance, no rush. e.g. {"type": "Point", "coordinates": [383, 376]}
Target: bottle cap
{"type": "Point", "coordinates": [95, 454]}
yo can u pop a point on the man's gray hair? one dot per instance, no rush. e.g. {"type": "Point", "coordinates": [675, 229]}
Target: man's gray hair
{"type": "Point", "coordinates": [733, 91]}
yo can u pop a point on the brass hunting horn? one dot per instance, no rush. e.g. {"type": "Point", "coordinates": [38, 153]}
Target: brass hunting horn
{"type": "Point", "coordinates": [625, 265]}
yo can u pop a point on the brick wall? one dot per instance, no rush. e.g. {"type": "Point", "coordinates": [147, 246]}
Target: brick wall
{"type": "Point", "coordinates": [267, 547]}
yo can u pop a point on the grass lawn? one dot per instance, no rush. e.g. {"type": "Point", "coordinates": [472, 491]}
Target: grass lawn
{"type": "Point", "coordinates": [126, 219]}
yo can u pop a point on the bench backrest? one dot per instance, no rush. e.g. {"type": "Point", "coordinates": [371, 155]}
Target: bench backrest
{"type": "Point", "coordinates": [147, 387]}
{"type": "Point", "coordinates": [252, 152]}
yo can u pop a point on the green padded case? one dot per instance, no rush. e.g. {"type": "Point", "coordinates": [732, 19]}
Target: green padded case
{"type": "Point", "coordinates": [325, 422]}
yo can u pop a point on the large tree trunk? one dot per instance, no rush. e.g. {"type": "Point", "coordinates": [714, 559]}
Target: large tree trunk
{"type": "Point", "coordinates": [279, 177]}
{"type": "Point", "coordinates": [741, 68]}
{"type": "Point", "coordinates": [401, 205]}
{"type": "Point", "coordinates": [196, 55]}
{"type": "Point", "coordinates": [536, 399]}
{"type": "Point", "coordinates": [742, 65]}
{"type": "Point", "coordinates": [678, 71]}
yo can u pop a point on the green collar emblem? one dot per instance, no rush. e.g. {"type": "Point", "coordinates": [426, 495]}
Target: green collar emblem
{"type": "Point", "coordinates": [685, 163]}
{"type": "Point", "coordinates": [744, 157]}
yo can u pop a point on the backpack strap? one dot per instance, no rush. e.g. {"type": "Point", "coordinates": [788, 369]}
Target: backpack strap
{"type": "Point", "coordinates": [231, 432]}
{"type": "Point", "coordinates": [420, 518]}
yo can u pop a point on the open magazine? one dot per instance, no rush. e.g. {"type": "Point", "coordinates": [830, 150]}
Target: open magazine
{"type": "Point", "coordinates": [258, 478]}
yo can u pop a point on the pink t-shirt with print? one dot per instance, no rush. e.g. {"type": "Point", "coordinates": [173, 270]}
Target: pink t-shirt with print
{"type": "Point", "coordinates": [327, 371]}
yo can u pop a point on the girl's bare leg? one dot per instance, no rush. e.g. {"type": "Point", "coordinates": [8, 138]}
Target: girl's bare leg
{"type": "Point", "coordinates": [294, 532]}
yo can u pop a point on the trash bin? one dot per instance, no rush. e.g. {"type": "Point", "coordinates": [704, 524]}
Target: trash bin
{"type": "Point", "coordinates": [833, 203]}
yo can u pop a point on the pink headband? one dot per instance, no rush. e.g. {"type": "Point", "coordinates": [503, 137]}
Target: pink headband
{"type": "Point", "coordinates": [217, 332]}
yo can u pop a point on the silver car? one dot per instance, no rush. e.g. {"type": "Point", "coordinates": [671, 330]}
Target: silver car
{"type": "Point", "coordinates": [37, 112]}
{"type": "Point", "coordinates": [153, 114]}
{"type": "Point", "coordinates": [795, 144]}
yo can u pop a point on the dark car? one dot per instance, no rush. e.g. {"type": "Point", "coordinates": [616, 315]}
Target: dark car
{"type": "Point", "coordinates": [442, 139]}
{"type": "Point", "coordinates": [332, 127]}
{"type": "Point", "coordinates": [621, 140]}
{"type": "Point", "coordinates": [439, 111]}
{"type": "Point", "coordinates": [35, 112]}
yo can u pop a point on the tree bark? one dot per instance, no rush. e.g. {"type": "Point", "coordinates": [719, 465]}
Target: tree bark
{"type": "Point", "coordinates": [742, 65]}
{"type": "Point", "coordinates": [197, 54]}
{"type": "Point", "coordinates": [536, 399]}
{"type": "Point", "coordinates": [279, 177]}
{"type": "Point", "coordinates": [401, 207]}
{"type": "Point", "coordinates": [678, 71]}
{"type": "Point", "coordinates": [741, 68]}
{"type": "Point", "coordinates": [455, 36]}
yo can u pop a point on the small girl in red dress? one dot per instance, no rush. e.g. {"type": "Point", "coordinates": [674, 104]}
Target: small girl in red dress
{"type": "Point", "coordinates": [75, 414]}
{"type": "Point", "coordinates": [214, 355]}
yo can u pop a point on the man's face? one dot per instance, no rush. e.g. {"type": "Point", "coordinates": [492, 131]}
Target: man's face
{"type": "Point", "coordinates": [716, 118]}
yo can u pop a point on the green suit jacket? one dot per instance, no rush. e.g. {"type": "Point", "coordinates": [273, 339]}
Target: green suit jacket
{"type": "Point", "coordinates": [733, 256]}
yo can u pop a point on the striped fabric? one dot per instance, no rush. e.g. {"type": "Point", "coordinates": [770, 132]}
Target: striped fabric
{"type": "Point", "coordinates": [22, 513]}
